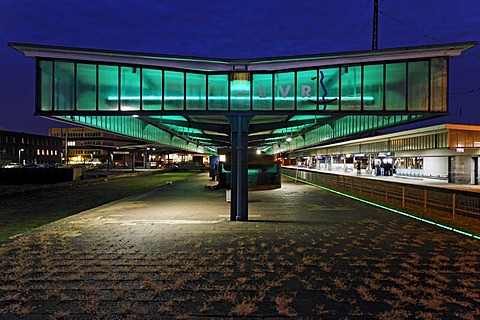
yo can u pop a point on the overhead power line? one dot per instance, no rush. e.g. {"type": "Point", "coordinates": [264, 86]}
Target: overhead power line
{"type": "Point", "coordinates": [410, 27]}
{"type": "Point", "coordinates": [425, 35]}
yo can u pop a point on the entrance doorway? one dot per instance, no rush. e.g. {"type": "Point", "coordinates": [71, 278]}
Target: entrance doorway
{"type": "Point", "coordinates": [474, 175]}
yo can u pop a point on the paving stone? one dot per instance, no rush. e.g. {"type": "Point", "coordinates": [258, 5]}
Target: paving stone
{"type": "Point", "coordinates": [306, 253]}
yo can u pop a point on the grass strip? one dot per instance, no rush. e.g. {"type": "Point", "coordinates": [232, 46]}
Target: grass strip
{"type": "Point", "coordinates": [22, 212]}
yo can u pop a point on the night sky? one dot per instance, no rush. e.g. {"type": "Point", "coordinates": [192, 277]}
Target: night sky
{"type": "Point", "coordinates": [232, 29]}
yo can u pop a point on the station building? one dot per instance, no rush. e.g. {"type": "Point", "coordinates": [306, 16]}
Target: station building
{"type": "Point", "coordinates": [90, 146]}
{"type": "Point", "coordinates": [448, 152]}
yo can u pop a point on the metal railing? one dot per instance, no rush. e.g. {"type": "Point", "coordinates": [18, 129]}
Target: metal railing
{"type": "Point", "coordinates": [420, 199]}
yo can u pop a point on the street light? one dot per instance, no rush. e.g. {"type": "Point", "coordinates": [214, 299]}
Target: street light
{"type": "Point", "coordinates": [19, 155]}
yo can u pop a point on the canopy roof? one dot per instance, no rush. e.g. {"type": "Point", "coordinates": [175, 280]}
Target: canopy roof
{"type": "Point", "coordinates": [186, 103]}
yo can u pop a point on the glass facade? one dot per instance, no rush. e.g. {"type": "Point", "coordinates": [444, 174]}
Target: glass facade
{"type": "Point", "coordinates": [410, 86]}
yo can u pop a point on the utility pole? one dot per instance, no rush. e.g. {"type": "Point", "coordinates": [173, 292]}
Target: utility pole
{"type": "Point", "coordinates": [375, 25]}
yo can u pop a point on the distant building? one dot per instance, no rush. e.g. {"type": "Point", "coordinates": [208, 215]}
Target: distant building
{"type": "Point", "coordinates": [91, 146]}
{"type": "Point", "coordinates": [26, 148]}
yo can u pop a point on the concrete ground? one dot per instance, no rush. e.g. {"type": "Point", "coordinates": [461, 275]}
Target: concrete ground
{"type": "Point", "coordinates": [305, 254]}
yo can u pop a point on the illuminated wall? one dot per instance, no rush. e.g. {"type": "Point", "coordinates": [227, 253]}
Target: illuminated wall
{"type": "Point", "coordinates": [413, 86]}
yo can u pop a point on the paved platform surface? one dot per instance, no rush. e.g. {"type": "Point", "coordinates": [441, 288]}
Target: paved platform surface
{"type": "Point", "coordinates": [306, 254]}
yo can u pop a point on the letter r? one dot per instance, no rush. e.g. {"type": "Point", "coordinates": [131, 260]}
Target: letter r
{"type": "Point", "coordinates": [306, 91]}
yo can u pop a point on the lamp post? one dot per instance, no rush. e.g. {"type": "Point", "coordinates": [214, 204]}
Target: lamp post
{"type": "Point", "coordinates": [19, 155]}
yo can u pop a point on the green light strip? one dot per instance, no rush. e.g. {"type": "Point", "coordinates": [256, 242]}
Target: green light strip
{"type": "Point", "coordinates": [222, 98]}
{"type": "Point", "coordinates": [384, 207]}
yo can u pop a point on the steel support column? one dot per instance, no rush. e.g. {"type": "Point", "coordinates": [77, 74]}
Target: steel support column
{"type": "Point", "coordinates": [239, 159]}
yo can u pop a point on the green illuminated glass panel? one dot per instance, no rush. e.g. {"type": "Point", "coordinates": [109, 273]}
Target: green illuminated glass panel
{"type": "Point", "coordinates": [438, 88]}
{"type": "Point", "coordinates": [107, 88]}
{"type": "Point", "coordinates": [418, 86]}
{"type": "Point", "coordinates": [151, 89]}
{"type": "Point", "coordinates": [351, 92]}
{"type": "Point", "coordinates": [262, 92]}
{"type": "Point", "coordinates": [218, 92]}
{"type": "Point", "coordinates": [174, 90]}
{"type": "Point", "coordinates": [328, 88]}
{"type": "Point", "coordinates": [86, 86]}
{"type": "Point", "coordinates": [395, 86]}
{"type": "Point", "coordinates": [284, 91]}
{"type": "Point", "coordinates": [46, 85]}
{"type": "Point", "coordinates": [196, 91]}
{"type": "Point", "coordinates": [64, 85]}
{"type": "Point", "coordinates": [239, 95]}
{"type": "Point", "coordinates": [129, 88]}
{"type": "Point", "coordinates": [307, 90]}
{"type": "Point", "coordinates": [373, 87]}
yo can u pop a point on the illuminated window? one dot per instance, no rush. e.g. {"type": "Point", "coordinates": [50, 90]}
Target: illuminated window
{"type": "Point", "coordinates": [284, 91]}
{"type": "Point", "coordinates": [151, 90]}
{"type": "Point", "coordinates": [108, 88]}
{"type": "Point", "coordinates": [262, 92]}
{"type": "Point", "coordinates": [130, 88]}
{"type": "Point", "coordinates": [86, 87]}
{"type": "Point", "coordinates": [395, 86]}
{"type": "Point", "coordinates": [218, 92]}
{"type": "Point", "coordinates": [46, 85]}
{"type": "Point", "coordinates": [418, 86]}
{"type": "Point", "coordinates": [64, 85]}
{"type": "Point", "coordinates": [196, 91]}
{"type": "Point", "coordinates": [174, 90]}
{"type": "Point", "coordinates": [307, 89]}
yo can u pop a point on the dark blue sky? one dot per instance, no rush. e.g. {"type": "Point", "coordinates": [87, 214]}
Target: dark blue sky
{"type": "Point", "coordinates": [232, 29]}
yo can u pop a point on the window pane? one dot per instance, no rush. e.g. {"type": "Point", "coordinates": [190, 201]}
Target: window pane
{"type": "Point", "coordinates": [86, 87]}
{"type": "Point", "coordinates": [351, 88]}
{"type": "Point", "coordinates": [218, 92]}
{"type": "Point", "coordinates": [174, 90]}
{"type": "Point", "coordinates": [284, 91]}
{"type": "Point", "coordinates": [151, 89]}
{"type": "Point", "coordinates": [262, 92]}
{"type": "Point", "coordinates": [240, 92]}
{"type": "Point", "coordinates": [476, 139]}
{"type": "Point", "coordinates": [130, 88]}
{"type": "Point", "coordinates": [418, 86]}
{"type": "Point", "coordinates": [306, 90]}
{"type": "Point", "coordinates": [468, 139]}
{"type": "Point", "coordinates": [396, 88]}
{"type": "Point", "coordinates": [439, 85]}
{"type": "Point", "coordinates": [196, 91]}
{"type": "Point", "coordinates": [373, 87]}
{"type": "Point", "coordinates": [108, 88]}
{"type": "Point", "coordinates": [64, 77]}
{"type": "Point", "coordinates": [328, 89]}
{"type": "Point", "coordinates": [46, 82]}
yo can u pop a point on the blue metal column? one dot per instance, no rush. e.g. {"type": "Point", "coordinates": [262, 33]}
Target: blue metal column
{"type": "Point", "coordinates": [239, 181]}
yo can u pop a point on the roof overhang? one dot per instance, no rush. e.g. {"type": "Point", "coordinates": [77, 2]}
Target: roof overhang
{"type": "Point", "coordinates": [232, 65]}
